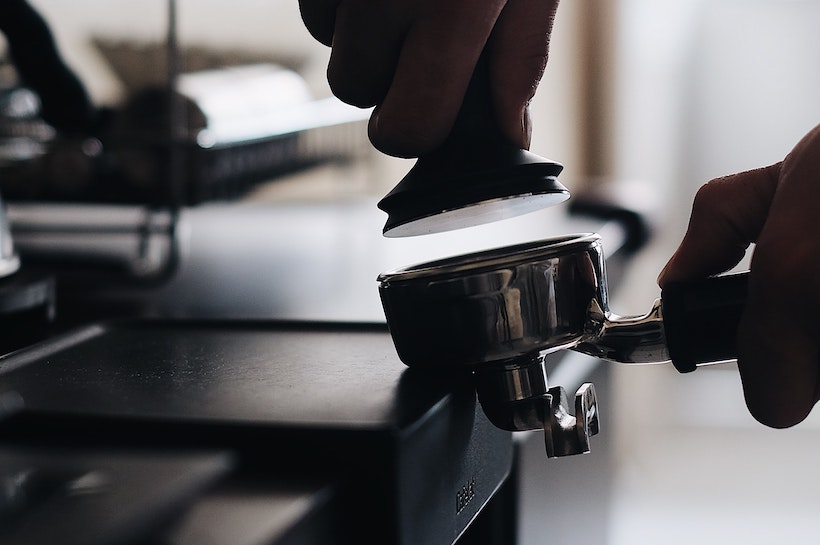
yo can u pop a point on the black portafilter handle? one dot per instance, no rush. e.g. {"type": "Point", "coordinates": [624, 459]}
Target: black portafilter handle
{"type": "Point", "coordinates": [476, 165]}
{"type": "Point", "coordinates": [701, 319]}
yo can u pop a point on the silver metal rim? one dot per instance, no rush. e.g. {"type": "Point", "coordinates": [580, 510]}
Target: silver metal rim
{"type": "Point", "coordinates": [494, 258]}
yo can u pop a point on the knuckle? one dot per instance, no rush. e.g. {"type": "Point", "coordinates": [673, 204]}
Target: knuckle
{"type": "Point", "coordinates": [405, 137]}
{"type": "Point", "coordinates": [350, 91]}
{"type": "Point", "coordinates": [711, 199]}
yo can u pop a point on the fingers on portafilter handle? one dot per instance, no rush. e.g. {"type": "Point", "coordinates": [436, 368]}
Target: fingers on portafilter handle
{"type": "Point", "coordinates": [701, 319]}
{"type": "Point", "coordinates": [476, 176]}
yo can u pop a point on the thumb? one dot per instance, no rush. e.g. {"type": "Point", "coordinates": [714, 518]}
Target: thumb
{"type": "Point", "coordinates": [727, 216]}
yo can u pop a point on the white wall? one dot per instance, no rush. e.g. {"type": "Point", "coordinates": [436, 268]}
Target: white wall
{"type": "Point", "coordinates": [706, 88]}
{"type": "Point", "coordinates": [709, 87]}
{"type": "Point", "coordinates": [753, 85]}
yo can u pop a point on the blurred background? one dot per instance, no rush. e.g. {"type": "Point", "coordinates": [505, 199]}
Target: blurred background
{"type": "Point", "coordinates": [654, 97]}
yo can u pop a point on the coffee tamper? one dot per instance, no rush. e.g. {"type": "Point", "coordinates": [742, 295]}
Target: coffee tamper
{"type": "Point", "coordinates": [477, 176]}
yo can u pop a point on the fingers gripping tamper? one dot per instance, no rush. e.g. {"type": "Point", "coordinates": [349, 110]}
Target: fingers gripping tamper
{"type": "Point", "coordinates": [477, 176]}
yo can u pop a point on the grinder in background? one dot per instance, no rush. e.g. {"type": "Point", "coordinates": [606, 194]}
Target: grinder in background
{"type": "Point", "coordinates": [65, 103]}
{"type": "Point", "coordinates": [185, 138]}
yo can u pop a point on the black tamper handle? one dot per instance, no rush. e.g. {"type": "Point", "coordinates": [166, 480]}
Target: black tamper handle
{"type": "Point", "coordinates": [700, 319]}
{"type": "Point", "coordinates": [476, 169]}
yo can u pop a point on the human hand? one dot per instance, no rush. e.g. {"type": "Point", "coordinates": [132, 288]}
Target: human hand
{"type": "Point", "coordinates": [777, 208]}
{"type": "Point", "coordinates": [413, 61]}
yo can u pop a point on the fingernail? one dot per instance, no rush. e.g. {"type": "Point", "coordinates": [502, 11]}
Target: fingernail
{"type": "Point", "coordinates": [664, 272]}
{"type": "Point", "coordinates": [661, 275]}
{"type": "Point", "coordinates": [526, 128]}
{"type": "Point", "coordinates": [373, 124]}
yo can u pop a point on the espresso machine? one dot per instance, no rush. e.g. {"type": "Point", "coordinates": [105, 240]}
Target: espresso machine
{"type": "Point", "coordinates": [202, 371]}
{"type": "Point", "coordinates": [188, 369]}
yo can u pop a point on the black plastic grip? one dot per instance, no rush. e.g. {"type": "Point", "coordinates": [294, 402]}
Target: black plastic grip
{"type": "Point", "coordinates": [700, 319]}
{"type": "Point", "coordinates": [475, 164]}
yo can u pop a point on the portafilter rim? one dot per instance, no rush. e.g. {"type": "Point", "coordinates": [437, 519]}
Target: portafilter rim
{"type": "Point", "coordinates": [483, 260]}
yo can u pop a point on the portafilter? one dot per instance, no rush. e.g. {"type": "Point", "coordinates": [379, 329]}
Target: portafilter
{"type": "Point", "coordinates": [499, 312]}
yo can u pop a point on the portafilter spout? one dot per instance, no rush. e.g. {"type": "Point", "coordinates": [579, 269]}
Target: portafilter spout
{"type": "Point", "coordinates": [499, 312]}
{"type": "Point", "coordinates": [477, 176]}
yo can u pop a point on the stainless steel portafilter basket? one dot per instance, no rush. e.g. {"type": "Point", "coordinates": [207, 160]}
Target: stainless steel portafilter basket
{"type": "Point", "coordinates": [499, 312]}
